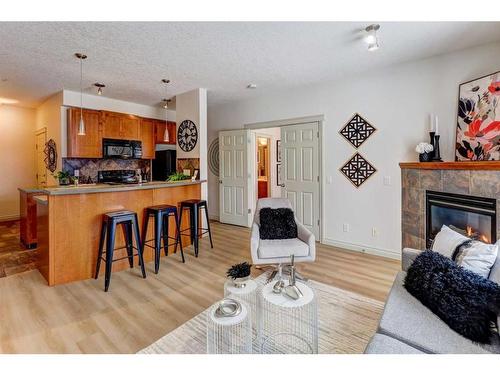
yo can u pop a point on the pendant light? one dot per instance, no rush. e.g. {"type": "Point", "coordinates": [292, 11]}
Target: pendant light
{"type": "Point", "coordinates": [166, 134]}
{"type": "Point", "coordinates": [99, 86]}
{"type": "Point", "coordinates": [81, 125]}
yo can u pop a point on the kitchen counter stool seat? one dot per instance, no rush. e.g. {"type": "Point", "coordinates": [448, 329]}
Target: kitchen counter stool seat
{"type": "Point", "coordinates": [161, 215]}
{"type": "Point", "coordinates": [128, 221]}
{"type": "Point", "coordinates": [195, 232]}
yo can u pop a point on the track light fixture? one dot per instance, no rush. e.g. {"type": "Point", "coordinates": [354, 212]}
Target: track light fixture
{"type": "Point", "coordinates": [99, 86]}
{"type": "Point", "coordinates": [371, 37]}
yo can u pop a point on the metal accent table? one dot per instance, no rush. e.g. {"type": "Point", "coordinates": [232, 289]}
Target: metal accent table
{"type": "Point", "coordinates": [287, 325]}
{"type": "Point", "coordinates": [248, 295]}
{"type": "Point", "coordinates": [229, 335]}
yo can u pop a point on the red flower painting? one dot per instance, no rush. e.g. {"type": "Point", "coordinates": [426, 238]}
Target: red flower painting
{"type": "Point", "coordinates": [478, 124]}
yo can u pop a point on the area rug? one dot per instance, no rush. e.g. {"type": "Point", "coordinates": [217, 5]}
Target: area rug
{"type": "Point", "coordinates": [347, 321]}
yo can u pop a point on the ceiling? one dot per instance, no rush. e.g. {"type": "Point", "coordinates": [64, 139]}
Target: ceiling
{"type": "Point", "coordinates": [131, 58]}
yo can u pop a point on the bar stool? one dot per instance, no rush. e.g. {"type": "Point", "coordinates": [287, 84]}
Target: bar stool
{"type": "Point", "coordinates": [129, 223]}
{"type": "Point", "coordinates": [194, 206]}
{"type": "Point", "coordinates": [161, 215]}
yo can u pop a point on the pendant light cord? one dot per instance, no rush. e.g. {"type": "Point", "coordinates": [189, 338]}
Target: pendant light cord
{"type": "Point", "coordinates": [81, 90]}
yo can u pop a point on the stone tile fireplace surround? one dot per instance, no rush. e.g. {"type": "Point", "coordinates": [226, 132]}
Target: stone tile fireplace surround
{"type": "Point", "coordinates": [481, 179]}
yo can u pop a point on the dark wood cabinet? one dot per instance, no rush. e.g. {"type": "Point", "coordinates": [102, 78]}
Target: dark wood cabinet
{"type": "Point", "coordinates": [113, 125]}
{"type": "Point", "coordinates": [90, 144]}
{"type": "Point", "coordinates": [120, 126]}
{"type": "Point", "coordinates": [148, 138]}
{"type": "Point", "coordinates": [160, 131]}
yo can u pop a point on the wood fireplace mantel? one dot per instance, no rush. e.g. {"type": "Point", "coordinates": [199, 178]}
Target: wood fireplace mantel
{"type": "Point", "coordinates": [457, 165]}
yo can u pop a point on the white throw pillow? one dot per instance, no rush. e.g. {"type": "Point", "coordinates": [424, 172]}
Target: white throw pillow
{"type": "Point", "coordinates": [447, 240]}
{"type": "Point", "coordinates": [478, 257]}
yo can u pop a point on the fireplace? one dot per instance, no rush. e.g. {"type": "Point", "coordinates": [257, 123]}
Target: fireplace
{"type": "Point", "coordinates": [471, 216]}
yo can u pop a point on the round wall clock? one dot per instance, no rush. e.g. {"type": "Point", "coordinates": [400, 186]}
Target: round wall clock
{"type": "Point", "coordinates": [187, 135]}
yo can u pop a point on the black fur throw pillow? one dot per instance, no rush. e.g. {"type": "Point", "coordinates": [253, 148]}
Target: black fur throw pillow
{"type": "Point", "coordinates": [464, 300]}
{"type": "Point", "coordinates": [277, 224]}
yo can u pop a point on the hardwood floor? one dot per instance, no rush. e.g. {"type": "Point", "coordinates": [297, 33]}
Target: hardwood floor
{"type": "Point", "coordinates": [14, 258]}
{"type": "Point", "coordinates": [80, 318]}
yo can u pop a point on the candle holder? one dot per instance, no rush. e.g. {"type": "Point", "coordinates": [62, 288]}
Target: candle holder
{"type": "Point", "coordinates": [437, 153]}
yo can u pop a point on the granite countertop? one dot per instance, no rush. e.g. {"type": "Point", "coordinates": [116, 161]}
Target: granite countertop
{"type": "Point", "coordinates": [31, 190]}
{"type": "Point", "coordinates": [105, 188]}
{"type": "Point", "coordinates": [42, 199]}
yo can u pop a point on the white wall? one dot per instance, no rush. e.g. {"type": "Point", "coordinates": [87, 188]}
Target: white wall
{"type": "Point", "coordinates": [72, 99]}
{"type": "Point", "coordinates": [192, 105]}
{"type": "Point", "coordinates": [397, 101]}
{"type": "Point", "coordinates": [17, 157]}
{"type": "Point", "coordinates": [49, 115]}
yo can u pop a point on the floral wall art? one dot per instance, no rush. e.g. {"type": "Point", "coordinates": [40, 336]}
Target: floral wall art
{"type": "Point", "coordinates": [478, 124]}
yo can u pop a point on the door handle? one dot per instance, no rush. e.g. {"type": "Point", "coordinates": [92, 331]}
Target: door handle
{"type": "Point", "coordinates": [282, 185]}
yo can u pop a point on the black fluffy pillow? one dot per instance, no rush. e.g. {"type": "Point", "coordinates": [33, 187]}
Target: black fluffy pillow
{"type": "Point", "coordinates": [464, 300]}
{"type": "Point", "coordinates": [277, 224]}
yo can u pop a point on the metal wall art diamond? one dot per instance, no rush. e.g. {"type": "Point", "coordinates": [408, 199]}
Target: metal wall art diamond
{"type": "Point", "coordinates": [358, 170]}
{"type": "Point", "coordinates": [357, 130]}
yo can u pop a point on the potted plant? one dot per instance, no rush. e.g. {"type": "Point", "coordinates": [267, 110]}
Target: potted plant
{"type": "Point", "coordinates": [425, 151]}
{"type": "Point", "coordinates": [177, 176]}
{"type": "Point", "coordinates": [240, 273]}
{"type": "Point", "coordinates": [63, 177]}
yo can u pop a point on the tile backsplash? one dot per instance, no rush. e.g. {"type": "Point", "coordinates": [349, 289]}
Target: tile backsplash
{"type": "Point", "coordinates": [89, 167]}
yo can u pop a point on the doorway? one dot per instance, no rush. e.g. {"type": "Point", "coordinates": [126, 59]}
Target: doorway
{"type": "Point", "coordinates": [263, 164]}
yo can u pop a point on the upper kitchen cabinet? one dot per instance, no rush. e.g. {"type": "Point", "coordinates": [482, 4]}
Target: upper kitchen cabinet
{"type": "Point", "coordinates": [90, 144]}
{"type": "Point", "coordinates": [160, 131]}
{"type": "Point", "coordinates": [121, 126]}
{"type": "Point", "coordinates": [148, 136]}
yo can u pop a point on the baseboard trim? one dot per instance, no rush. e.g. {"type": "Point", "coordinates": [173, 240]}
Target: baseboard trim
{"type": "Point", "coordinates": [213, 217]}
{"type": "Point", "coordinates": [9, 217]}
{"type": "Point", "coordinates": [362, 248]}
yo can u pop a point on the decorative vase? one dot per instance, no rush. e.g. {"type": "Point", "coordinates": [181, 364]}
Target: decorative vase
{"type": "Point", "coordinates": [425, 157]}
{"type": "Point", "coordinates": [64, 181]}
{"type": "Point", "coordinates": [240, 282]}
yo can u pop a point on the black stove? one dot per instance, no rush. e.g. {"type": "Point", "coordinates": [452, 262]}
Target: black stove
{"type": "Point", "coordinates": [117, 177]}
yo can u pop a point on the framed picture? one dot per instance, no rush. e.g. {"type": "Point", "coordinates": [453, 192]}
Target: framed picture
{"type": "Point", "coordinates": [278, 175]}
{"type": "Point", "coordinates": [278, 151]}
{"type": "Point", "coordinates": [478, 119]}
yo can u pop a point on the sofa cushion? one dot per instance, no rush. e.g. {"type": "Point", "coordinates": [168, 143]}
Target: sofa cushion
{"type": "Point", "coordinates": [277, 224]}
{"type": "Point", "coordinates": [382, 344]}
{"type": "Point", "coordinates": [282, 248]}
{"type": "Point", "coordinates": [495, 270]}
{"type": "Point", "coordinates": [406, 319]}
{"type": "Point", "coordinates": [447, 240]}
{"type": "Point", "coordinates": [466, 301]}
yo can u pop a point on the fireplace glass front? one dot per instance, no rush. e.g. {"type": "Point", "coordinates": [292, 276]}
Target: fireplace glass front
{"type": "Point", "coordinates": [474, 217]}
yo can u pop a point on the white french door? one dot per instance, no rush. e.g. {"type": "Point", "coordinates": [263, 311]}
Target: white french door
{"type": "Point", "coordinates": [300, 172]}
{"type": "Point", "coordinates": [235, 189]}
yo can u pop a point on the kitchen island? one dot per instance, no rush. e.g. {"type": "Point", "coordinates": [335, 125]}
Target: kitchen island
{"type": "Point", "coordinates": [69, 223]}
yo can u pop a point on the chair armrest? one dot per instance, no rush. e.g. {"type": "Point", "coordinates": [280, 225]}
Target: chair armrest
{"type": "Point", "coordinates": [305, 235]}
{"type": "Point", "coordinates": [254, 242]}
{"type": "Point", "coordinates": [408, 257]}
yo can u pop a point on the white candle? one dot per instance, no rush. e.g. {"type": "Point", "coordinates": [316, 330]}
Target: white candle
{"type": "Point", "coordinates": [436, 124]}
{"type": "Point", "coordinates": [431, 118]}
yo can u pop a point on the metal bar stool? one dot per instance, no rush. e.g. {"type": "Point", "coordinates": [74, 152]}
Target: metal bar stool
{"type": "Point", "coordinates": [129, 223]}
{"type": "Point", "coordinates": [161, 215]}
{"type": "Point", "coordinates": [195, 232]}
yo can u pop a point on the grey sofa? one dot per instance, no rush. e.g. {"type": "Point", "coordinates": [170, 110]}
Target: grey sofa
{"type": "Point", "coordinates": [408, 327]}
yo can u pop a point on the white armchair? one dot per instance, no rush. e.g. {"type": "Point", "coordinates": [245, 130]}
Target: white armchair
{"type": "Point", "coordinates": [279, 251]}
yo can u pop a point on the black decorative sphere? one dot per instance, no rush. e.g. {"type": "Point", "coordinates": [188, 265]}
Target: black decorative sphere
{"type": "Point", "coordinates": [187, 135]}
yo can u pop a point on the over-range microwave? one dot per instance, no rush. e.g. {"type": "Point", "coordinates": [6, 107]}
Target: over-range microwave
{"type": "Point", "coordinates": [121, 149]}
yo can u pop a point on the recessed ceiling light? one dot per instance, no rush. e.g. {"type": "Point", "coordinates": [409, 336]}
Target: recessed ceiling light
{"type": "Point", "coordinates": [251, 86]}
{"type": "Point", "coordinates": [8, 101]}
{"type": "Point", "coordinates": [371, 37]}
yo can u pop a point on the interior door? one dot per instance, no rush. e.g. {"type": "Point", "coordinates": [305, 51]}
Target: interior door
{"type": "Point", "coordinates": [300, 172]}
{"type": "Point", "coordinates": [234, 177]}
{"type": "Point", "coordinates": [41, 170]}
